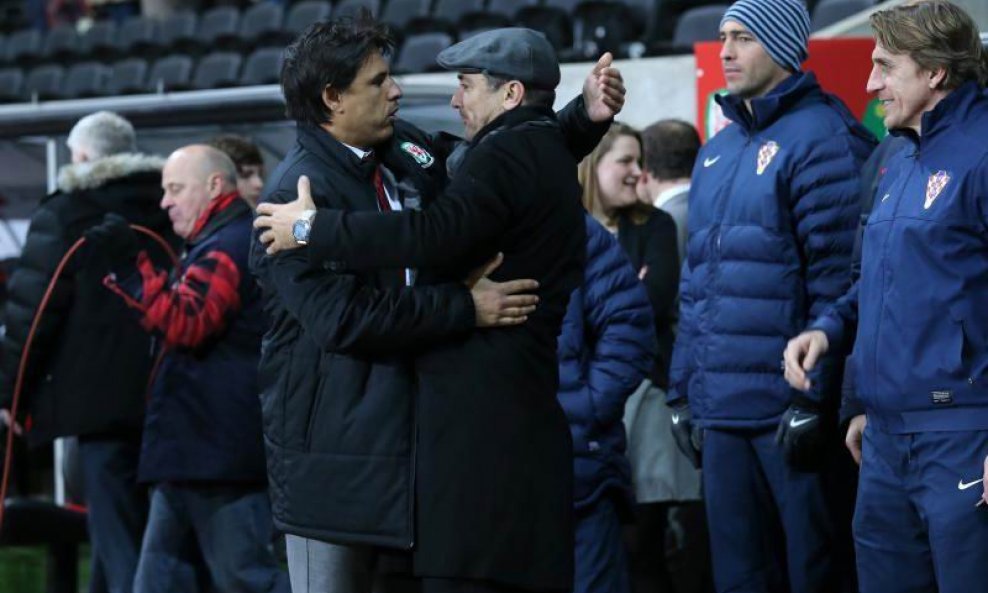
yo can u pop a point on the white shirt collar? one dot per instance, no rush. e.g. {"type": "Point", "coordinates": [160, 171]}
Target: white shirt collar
{"type": "Point", "coordinates": [670, 193]}
{"type": "Point", "coordinates": [360, 152]}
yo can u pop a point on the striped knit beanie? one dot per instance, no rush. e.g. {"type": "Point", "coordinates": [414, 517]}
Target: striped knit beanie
{"type": "Point", "coordinates": [781, 26]}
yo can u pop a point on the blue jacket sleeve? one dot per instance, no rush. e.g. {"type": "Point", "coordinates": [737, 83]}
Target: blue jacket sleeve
{"type": "Point", "coordinates": [621, 328]}
{"type": "Point", "coordinates": [681, 367]}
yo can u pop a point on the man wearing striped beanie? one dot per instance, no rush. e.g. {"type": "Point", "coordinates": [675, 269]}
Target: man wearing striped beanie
{"type": "Point", "coordinates": [773, 208]}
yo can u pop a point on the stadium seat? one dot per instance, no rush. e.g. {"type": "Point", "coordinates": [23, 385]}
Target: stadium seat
{"type": "Point", "coordinates": [509, 8]}
{"type": "Point", "coordinates": [399, 13]}
{"type": "Point", "coordinates": [127, 77]}
{"type": "Point", "coordinates": [99, 41]}
{"type": "Point", "coordinates": [351, 8]}
{"type": "Point", "coordinates": [698, 24]}
{"type": "Point", "coordinates": [418, 53]}
{"type": "Point", "coordinates": [262, 67]}
{"type": "Point", "coordinates": [87, 79]}
{"type": "Point", "coordinates": [136, 35]}
{"type": "Point", "coordinates": [304, 14]}
{"type": "Point", "coordinates": [828, 12]}
{"type": "Point", "coordinates": [177, 32]}
{"type": "Point", "coordinates": [261, 25]}
{"type": "Point", "coordinates": [474, 22]}
{"type": "Point", "coordinates": [552, 21]}
{"type": "Point", "coordinates": [171, 73]}
{"type": "Point", "coordinates": [44, 82]}
{"type": "Point", "coordinates": [218, 29]}
{"type": "Point", "coordinates": [569, 6]}
{"type": "Point", "coordinates": [61, 44]}
{"type": "Point", "coordinates": [600, 26]}
{"type": "Point", "coordinates": [452, 11]}
{"type": "Point", "coordinates": [24, 47]}
{"type": "Point", "coordinates": [217, 70]}
{"type": "Point", "coordinates": [11, 83]}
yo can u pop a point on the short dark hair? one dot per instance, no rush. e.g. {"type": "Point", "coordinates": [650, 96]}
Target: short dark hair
{"type": "Point", "coordinates": [533, 96]}
{"type": "Point", "coordinates": [329, 54]}
{"type": "Point", "coordinates": [669, 148]}
{"type": "Point", "coordinates": [239, 148]}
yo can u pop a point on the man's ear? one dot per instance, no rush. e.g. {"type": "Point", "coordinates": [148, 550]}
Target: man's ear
{"type": "Point", "coordinates": [514, 94]}
{"type": "Point", "coordinates": [331, 99]}
{"type": "Point", "coordinates": [214, 185]}
{"type": "Point", "coordinates": [937, 77]}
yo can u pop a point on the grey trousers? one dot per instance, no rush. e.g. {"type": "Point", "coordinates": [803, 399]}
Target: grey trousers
{"type": "Point", "coordinates": [320, 567]}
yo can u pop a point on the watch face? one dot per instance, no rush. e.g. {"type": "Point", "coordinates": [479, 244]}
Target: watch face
{"type": "Point", "coordinates": [300, 230]}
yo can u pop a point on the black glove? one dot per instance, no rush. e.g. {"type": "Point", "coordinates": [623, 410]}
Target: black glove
{"type": "Point", "coordinates": [115, 239]}
{"type": "Point", "coordinates": [689, 437]}
{"type": "Point", "coordinates": [801, 435]}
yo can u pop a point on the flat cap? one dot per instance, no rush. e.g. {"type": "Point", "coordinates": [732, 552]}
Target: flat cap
{"type": "Point", "coordinates": [514, 52]}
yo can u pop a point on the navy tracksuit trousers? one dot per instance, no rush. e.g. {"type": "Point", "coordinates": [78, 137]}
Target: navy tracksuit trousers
{"type": "Point", "coordinates": [916, 527]}
{"type": "Point", "coordinates": [772, 528]}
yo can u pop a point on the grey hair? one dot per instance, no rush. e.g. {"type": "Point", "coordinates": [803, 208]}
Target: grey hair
{"type": "Point", "coordinates": [216, 161]}
{"type": "Point", "coordinates": [102, 134]}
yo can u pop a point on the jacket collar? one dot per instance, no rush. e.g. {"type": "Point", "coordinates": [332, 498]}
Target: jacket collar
{"type": "Point", "coordinates": [333, 152]}
{"type": "Point", "coordinates": [97, 173]}
{"type": "Point", "coordinates": [220, 211]}
{"type": "Point", "coordinates": [765, 110]}
{"type": "Point", "coordinates": [953, 108]}
{"type": "Point", "coordinates": [514, 118]}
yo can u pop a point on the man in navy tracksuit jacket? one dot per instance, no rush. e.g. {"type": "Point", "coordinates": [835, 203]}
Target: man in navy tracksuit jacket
{"type": "Point", "coordinates": [773, 208]}
{"type": "Point", "coordinates": [920, 352]}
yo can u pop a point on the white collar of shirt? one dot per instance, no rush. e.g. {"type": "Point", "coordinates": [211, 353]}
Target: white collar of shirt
{"type": "Point", "coordinates": [669, 194]}
{"type": "Point", "coordinates": [360, 152]}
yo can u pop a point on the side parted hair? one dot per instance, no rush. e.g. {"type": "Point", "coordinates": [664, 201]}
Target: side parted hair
{"type": "Point", "coordinates": [669, 149]}
{"type": "Point", "coordinates": [328, 54]}
{"type": "Point", "coordinates": [935, 34]}
{"type": "Point", "coordinates": [102, 134]}
{"type": "Point", "coordinates": [587, 173]}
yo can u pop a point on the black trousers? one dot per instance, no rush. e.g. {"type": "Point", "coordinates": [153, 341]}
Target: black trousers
{"type": "Point", "coordinates": [669, 549]}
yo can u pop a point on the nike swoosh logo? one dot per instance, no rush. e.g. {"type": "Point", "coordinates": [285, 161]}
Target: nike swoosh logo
{"type": "Point", "coordinates": [710, 162]}
{"type": "Point", "coordinates": [885, 197]}
{"type": "Point", "coordinates": [962, 486]}
{"type": "Point", "coordinates": [675, 418]}
{"type": "Point", "coordinates": [797, 423]}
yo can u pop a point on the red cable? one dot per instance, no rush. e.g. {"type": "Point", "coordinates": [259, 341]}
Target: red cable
{"type": "Point", "coordinates": [22, 367]}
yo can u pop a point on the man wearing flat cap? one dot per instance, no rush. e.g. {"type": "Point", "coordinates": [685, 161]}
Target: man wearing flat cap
{"type": "Point", "coordinates": [492, 453]}
{"type": "Point", "coordinates": [773, 209]}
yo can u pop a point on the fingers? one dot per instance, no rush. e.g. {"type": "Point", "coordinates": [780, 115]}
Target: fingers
{"type": "Point", "coordinates": [516, 286]}
{"type": "Point", "coordinates": [793, 369]}
{"type": "Point", "coordinates": [812, 355]}
{"type": "Point", "coordinates": [267, 208]}
{"type": "Point", "coordinates": [519, 300]}
{"type": "Point", "coordinates": [853, 444]}
{"type": "Point", "coordinates": [263, 222]}
{"type": "Point", "coordinates": [602, 63]}
{"type": "Point", "coordinates": [493, 265]}
{"type": "Point", "coordinates": [305, 192]}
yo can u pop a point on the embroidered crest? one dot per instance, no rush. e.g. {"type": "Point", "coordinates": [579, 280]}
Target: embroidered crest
{"type": "Point", "coordinates": [419, 154]}
{"type": "Point", "coordinates": [765, 155]}
{"type": "Point", "coordinates": [934, 186]}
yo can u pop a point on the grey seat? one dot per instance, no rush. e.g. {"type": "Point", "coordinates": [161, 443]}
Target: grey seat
{"type": "Point", "coordinates": [509, 8]}
{"type": "Point", "coordinates": [218, 27]}
{"type": "Point", "coordinates": [262, 67]}
{"type": "Point", "coordinates": [136, 34]}
{"type": "Point", "coordinates": [261, 23]}
{"type": "Point", "coordinates": [828, 12]}
{"type": "Point", "coordinates": [24, 46]}
{"type": "Point", "coordinates": [61, 43]}
{"type": "Point", "coordinates": [11, 83]}
{"type": "Point", "coordinates": [177, 32]}
{"type": "Point", "coordinates": [418, 53]}
{"type": "Point", "coordinates": [698, 24]}
{"type": "Point", "coordinates": [99, 41]}
{"type": "Point", "coordinates": [304, 14]}
{"type": "Point", "coordinates": [217, 70]}
{"type": "Point", "coordinates": [86, 79]}
{"type": "Point", "coordinates": [44, 82]}
{"type": "Point", "coordinates": [351, 8]}
{"type": "Point", "coordinates": [127, 77]}
{"type": "Point", "coordinates": [399, 13]}
{"type": "Point", "coordinates": [171, 73]}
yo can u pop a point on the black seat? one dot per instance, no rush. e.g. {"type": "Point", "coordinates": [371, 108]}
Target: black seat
{"type": "Point", "coordinates": [136, 35]}
{"type": "Point", "coordinates": [351, 8]}
{"type": "Point", "coordinates": [452, 11]}
{"type": "Point", "coordinates": [11, 83]}
{"type": "Point", "coordinates": [261, 24]}
{"type": "Point", "coordinates": [475, 22]}
{"type": "Point", "coordinates": [87, 79]}
{"type": "Point", "coordinates": [171, 73]}
{"type": "Point", "coordinates": [217, 70]}
{"type": "Point", "coordinates": [509, 8]}
{"type": "Point", "coordinates": [262, 67]}
{"type": "Point", "coordinates": [99, 41]}
{"type": "Point", "coordinates": [828, 12]}
{"type": "Point", "coordinates": [24, 47]}
{"type": "Point", "coordinates": [61, 43]}
{"type": "Point", "coordinates": [304, 14]}
{"type": "Point", "coordinates": [568, 6]}
{"type": "Point", "coordinates": [698, 24]}
{"type": "Point", "coordinates": [177, 32]}
{"type": "Point", "coordinates": [44, 82]}
{"type": "Point", "coordinates": [218, 28]}
{"type": "Point", "coordinates": [552, 21]}
{"type": "Point", "coordinates": [600, 26]}
{"type": "Point", "coordinates": [418, 53]}
{"type": "Point", "coordinates": [399, 13]}
{"type": "Point", "coordinates": [127, 77]}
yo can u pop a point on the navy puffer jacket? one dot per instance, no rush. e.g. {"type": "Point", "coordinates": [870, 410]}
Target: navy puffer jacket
{"type": "Point", "coordinates": [606, 349]}
{"type": "Point", "coordinates": [773, 211]}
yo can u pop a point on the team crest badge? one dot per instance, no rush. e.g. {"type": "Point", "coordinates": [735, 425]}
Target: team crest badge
{"type": "Point", "coordinates": [765, 155]}
{"type": "Point", "coordinates": [419, 154]}
{"type": "Point", "coordinates": [934, 186]}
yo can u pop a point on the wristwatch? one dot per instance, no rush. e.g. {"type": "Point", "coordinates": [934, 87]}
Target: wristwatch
{"type": "Point", "coordinates": [302, 227]}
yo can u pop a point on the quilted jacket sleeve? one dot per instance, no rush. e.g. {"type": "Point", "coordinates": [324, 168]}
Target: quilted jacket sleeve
{"type": "Point", "coordinates": [681, 368]}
